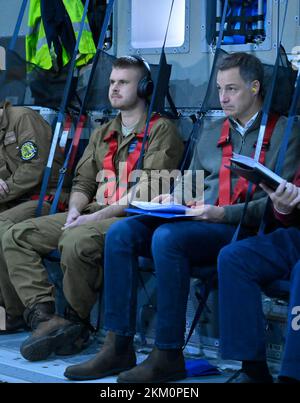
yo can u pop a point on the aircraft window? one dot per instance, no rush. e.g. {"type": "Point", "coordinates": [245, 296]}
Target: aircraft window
{"type": "Point", "coordinates": [149, 21]}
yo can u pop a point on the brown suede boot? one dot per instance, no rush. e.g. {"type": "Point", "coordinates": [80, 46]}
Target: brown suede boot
{"type": "Point", "coordinates": [116, 355]}
{"type": "Point", "coordinates": [53, 334]}
{"type": "Point", "coordinates": [159, 366]}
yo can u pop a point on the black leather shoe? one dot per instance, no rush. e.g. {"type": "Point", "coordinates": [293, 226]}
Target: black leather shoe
{"type": "Point", "coordinates": [13, 324]}
{"type": "Point", "coordinates": [241, 377]}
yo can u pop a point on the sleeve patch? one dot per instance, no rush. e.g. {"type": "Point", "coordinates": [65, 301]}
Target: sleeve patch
{"type": "Point", "coordinates": [28, 150]}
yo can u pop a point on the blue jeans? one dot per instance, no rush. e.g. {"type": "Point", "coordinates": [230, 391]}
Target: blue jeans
{"type": "Point", "coordinates": [244, 267]}
{"type": "Point", "coordinates": [175, 247]}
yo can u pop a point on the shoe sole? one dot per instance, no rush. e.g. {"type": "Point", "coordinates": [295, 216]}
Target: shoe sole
{"type": "Point", "coordinates": [174, 377]}
{"type": "Point", "coordinates": [12, 331]}
{"type": "Point", "coordinates": [99, 376]}
{"type": "Point", "coordinates": [41, 348]}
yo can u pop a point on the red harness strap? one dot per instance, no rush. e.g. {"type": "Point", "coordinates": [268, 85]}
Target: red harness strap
{"type": "Point", "coordinates": [113, 193]}
{"type": "Point", "coordinates": [240, 190]}
{"type": "Point", "coordinates": [62, 207]}
{"type": "Point", "coordinates": [77, 135]}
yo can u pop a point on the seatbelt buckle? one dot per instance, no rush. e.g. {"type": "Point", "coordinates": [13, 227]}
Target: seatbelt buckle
{"type": "Point", "coordinates": [63, 170]}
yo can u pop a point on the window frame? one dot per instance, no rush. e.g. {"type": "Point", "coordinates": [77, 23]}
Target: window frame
{"type": "Point", "coordinates": [184, 48]}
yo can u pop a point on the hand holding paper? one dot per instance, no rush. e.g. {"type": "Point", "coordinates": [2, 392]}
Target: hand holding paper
{"type": "Point", "coordinates": [208, 212]}
{"type": "Point", "coordinates": [254, 171]}
{"type": "Point", "coordinates": [285, 198]}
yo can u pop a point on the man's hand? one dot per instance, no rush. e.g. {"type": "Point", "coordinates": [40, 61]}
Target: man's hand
{"type": "Point", "coordinates": [3, 189]}
{"type": "Point", "coordinates": [206, 212]}
{"type": "Point", "coordinates": [73, 214]}
{"type": "Point", "coordinates": [285, 198]}
{"type": "Point", "coordinates": [83, 219]}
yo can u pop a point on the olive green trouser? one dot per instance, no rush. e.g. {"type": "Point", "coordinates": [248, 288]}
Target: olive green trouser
{"type": "Point", "coordinates": [81, 249]}
{"type": "Point", "coordinates": [8, 296]}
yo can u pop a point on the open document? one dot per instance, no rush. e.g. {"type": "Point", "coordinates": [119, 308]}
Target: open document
{"type": "Point", "coordinates": [254, 171]}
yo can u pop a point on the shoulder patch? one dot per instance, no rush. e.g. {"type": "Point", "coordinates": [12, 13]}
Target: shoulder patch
{"type": "Point", "coordinates": [28, 150]}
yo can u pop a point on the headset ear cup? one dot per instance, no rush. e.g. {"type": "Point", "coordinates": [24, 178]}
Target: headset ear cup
{"type": "Point", "coordinates": [150, 87]}
{"type": "Point", "coordinates": [145, 87]}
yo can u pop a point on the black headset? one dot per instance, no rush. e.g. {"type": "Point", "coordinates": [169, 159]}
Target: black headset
{"type": "Point", "coordinates": [145, 85]}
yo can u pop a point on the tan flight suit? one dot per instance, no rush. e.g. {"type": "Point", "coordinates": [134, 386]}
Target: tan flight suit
{"type": "Point", "coordinates": [81, 247]}
{"type": "Point", "coordinates": [25, 139]}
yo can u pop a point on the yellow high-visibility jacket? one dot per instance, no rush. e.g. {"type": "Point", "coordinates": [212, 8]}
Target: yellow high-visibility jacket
{"type": "Point", "coordinates": [37, 50]}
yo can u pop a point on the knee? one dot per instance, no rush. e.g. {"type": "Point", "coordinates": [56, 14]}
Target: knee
{"type": "Point", "coordinates": [166, 238]}
{"type": "Point", "coordinates": [13, 235]}
{"type": "Point", "coordinates": [5, 225]}
{"type": "Point", "coordinates": [79, 244]}
{"type": "Point", "coordinates": [121, 232]}
{"type": "Point", "coordinates": [228, 259]}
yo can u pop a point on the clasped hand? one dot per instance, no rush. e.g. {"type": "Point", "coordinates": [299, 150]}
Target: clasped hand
{"type": "Point", "coordinates": [206, 212]}
{"type": "Point", "coordinates": [74, 219]}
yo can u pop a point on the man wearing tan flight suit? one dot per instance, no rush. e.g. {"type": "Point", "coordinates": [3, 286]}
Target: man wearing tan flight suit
{"type": "Point", "coordinates": [25, 139]}
{"type": "Point", "coordinates": [79, 234]}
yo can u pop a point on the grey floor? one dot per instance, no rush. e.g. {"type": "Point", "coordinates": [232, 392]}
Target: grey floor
{"type": "Point", "coordinates": [15, 369]}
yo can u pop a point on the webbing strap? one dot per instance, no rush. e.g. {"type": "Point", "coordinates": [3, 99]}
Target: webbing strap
{"type": "Point", "coordinates": [115, 190]}
{"type": "Point", "coordinates": [224, 174]}
{"type": "Point", "coordinates": [196, 130]}
{"type": "Point", "coordinates": [162, 61]}
{"type": "Point", "coordinates": [202, 303]}
{"type": "Point", "coordinates": [61, 112]}
{"type": "Point", "coordinates": [203, 109]}
{"type": "Point", "coordinates": [289, 126]}
{"type": "Point", "coordinates": [265, 111]}
{"type": "Point", "coordinates": [240, 189]}
{"type": "Point", "coordinates": [70, 158]}
{"type": "Point", "coordinates": [65, 132]}
{"type": "Point", "coordinates": [172, 105]}
{"type": "Point", "coordinates": [13, 41]}
{"type": "Point", "coordinates": [284, 144]}
{"type": "Point", "coordinates": [75, 143]}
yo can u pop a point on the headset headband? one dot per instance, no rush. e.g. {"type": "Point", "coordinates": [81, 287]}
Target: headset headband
{"type": "Point", "coordinates": [139, 59]}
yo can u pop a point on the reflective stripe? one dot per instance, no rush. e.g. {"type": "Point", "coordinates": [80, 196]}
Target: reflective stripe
{"type": "Point", "coordinates": [41, 43]}
{"type": "Point", "coordinates": [76, 26]}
